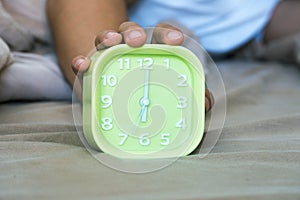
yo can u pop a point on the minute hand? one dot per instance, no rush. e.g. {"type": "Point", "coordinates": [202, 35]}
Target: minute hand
{"type": "Point", "coordinates": [145, 100]}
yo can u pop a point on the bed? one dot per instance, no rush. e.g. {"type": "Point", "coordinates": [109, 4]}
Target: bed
{"type": "Point", "coordinates": [256, 157]}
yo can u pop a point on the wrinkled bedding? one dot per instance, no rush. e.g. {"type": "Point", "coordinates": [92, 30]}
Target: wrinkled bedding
{"type": "Point", "coordinates": [256, 157]}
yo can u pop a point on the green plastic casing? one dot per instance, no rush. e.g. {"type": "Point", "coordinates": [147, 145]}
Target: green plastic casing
{"type": "Point", "coordinates": [101, 59]}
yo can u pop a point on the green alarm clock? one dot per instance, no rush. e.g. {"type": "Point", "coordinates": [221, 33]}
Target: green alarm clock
{"type": "Point", "coordinates": [146, 102]}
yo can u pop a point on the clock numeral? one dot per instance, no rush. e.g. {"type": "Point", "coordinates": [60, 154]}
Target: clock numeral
{"type": "Point", "coordinates": [124, 63]}
{"type": "Point", "coordinates": [182, 80]}
{"type": "Point", "coordinates": [107, 124]}
{"type": "Point", "coordinates": [124, 138]}
{"type": "Point", "coordinates": [165, 137]}
{"type": "Point", "coordinates": [167, 62]}
{"type": "Point", "coordinates": [181, 124]}
{"type": "Point", "coordinates": [182, 102]}
{"type": "Point", "coordinates": [146, 63]}
{"type": "Point", "coordinates": [110, 80]}
{"type": "Point", "coordinates": [144, 139]}
{"type": "Point", "coordinates": [106, 101]}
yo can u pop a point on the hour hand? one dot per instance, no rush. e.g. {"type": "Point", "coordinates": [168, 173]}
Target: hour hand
{"type": "Point", "coordinates": [141, 117]}
{"type": "Point", "coordinates": [145, 103]}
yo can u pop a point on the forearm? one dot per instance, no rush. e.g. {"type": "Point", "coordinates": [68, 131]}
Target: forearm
{"type": "Point", "coordinates": [75, 24]}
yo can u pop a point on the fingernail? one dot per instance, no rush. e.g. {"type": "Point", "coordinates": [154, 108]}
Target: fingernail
{"type": "Point", "coordinates": [79, 62]}
{"type": "Point", "coordinates": [110, 35]}
{"type": "Point", "coordinates": [174, 35]}
{"type": "Point", "coordinates": [134, 34]}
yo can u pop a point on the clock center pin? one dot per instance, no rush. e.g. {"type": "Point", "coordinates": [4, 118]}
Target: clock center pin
{"type": "Point", "coordinates": [145, 102]}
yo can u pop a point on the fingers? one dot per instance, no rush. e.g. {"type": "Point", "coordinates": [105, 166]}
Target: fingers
{"type": "Point", "coordinates": [107, 39]}
{"type": "Point", "coordinates": [80, 64]}
{"type": "Point", "coordinates": [209, 100]}
{"type": "Point", "coordinates": [133, 34]}
{"type": "Point", "coordinates": [167, 34]}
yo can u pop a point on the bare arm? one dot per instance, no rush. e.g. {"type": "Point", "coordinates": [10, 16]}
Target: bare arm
{"type": "Point", "coordinates": [75, 23]}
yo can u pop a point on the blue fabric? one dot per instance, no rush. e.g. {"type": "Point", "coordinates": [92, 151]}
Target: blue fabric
{"type": "Point", "coordinates": [220, 25]}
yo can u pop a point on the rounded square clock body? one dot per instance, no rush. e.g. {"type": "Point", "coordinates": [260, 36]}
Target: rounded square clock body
{"type": "Point", "coordinates": [146, 102]}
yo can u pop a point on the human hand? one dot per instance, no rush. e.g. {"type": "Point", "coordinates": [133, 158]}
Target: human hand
{"type": "Point", "coordinates": [133, 35]}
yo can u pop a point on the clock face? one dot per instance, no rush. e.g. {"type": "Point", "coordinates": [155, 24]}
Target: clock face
{"type": "Point", "coordinates": [146, 102]}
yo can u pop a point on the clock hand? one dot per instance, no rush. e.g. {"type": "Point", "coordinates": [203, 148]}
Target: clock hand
{"type": "Point", "coordinates": [140, 118]}
{"type": "Point", "coordinates": [146, 87]}
{"type": "Point", "coordinates": [145, 100]}
{"type": "Point", "coordinates": [144, 117]}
